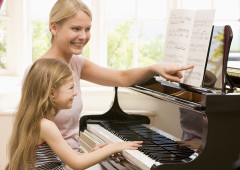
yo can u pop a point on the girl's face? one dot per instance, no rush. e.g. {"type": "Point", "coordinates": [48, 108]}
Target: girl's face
{"type": "Point", "coordinates": [64, 95]}
{"type": "Point", "coordinates": [72, 35]}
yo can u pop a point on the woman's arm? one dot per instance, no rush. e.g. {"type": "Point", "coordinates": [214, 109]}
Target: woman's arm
{"type": "Point", "coordinates": [111, 77]}
{"type": "Point", "coordinates": [51, 134]}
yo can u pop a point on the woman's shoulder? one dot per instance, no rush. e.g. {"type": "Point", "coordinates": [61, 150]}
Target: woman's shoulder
{"type": "Point", "coordinates": [77, 62]}
{"type": "Point", "coordinates": [79, 59]}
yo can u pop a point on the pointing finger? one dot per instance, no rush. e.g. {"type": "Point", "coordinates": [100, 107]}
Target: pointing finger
{"type": "Point", "coordinates": [185, 67]}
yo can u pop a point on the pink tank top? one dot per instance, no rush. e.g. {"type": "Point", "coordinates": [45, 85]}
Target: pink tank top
{"type": "Point", "coordinates": [68, 120]}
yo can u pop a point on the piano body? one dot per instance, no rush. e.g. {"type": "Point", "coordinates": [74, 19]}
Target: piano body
{"type": "Point", "coordinates": [219, 144]}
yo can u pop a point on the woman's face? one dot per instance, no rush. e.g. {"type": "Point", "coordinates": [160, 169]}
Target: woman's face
{"type": "Point", "coordinates": [72, 35]}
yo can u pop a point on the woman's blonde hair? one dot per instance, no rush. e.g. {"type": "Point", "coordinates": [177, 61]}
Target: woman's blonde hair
{"type": "Point", "coordinates": [63, 9]}
{"type": "Point", "coordinates": [43, 76]}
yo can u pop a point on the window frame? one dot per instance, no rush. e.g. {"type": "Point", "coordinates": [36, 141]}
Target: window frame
{"type": "Point", "coordinates": [17, 34]}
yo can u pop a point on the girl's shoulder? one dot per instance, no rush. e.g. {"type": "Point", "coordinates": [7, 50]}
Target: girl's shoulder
{"type": "Point", "coordinates": [46, 123]}
{"type": "Point", "coordinates": [49, 130]}
{"type": "Point", "coordinates": [47, 126]}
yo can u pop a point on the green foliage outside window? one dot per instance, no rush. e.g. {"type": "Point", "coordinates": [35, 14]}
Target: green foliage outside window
{"type": "Point", "coordinates": [40, 38]}
{"type": "Point", "coordinates": [150, 52]}
{"type": "Point", "coordinates": [120, 47]}
{"type": "Point", "coordinates": [2, 45]}
{"type": "Point", "coordinates": [86, 51]}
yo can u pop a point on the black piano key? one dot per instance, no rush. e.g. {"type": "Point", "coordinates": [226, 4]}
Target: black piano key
{"type": "Point", "coordinates": [129, 135]}
{"type": "Point", "coordinates": [178, 148]}
{"type": "Point", "coordinates": [148, 152]}
{"type": "Point", "coordinates": [161, 156]}
{"type": "Point", "coordinates": [135, 139]}
{"type": "Point", "coordinates": [189, 151]}
{"type": "Point", "coordinates": [126, 132]}
{"type": "Point", "coordinates": [158, 150]}
{"type": "Point", "coordinates": [147, 133]}
{"type": "Point", "coordinates": [143, 130]}
{"type": "Point", "coordinates": [151, 135]}
{"type": "Point", "coordinates": [183, 155]}
{"type": "Point", "coordinates": [147, 143]}
{"type": "Point", "coordinates": [155, 148]}
{"type": "Point", "coordinates": [169, 160]}
{"type": "Point", "coordinates": [164, 142]}
{"type": "Point", "coordinates": [180, 152]}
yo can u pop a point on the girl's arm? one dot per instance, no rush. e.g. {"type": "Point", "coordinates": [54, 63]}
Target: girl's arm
{"type": "Point", "coordinates": [111, 77]}
{"type": "Point", "coordinates": [50, 133]}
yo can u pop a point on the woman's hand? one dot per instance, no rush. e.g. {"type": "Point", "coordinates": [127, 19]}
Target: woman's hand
{"type": "Point", "coordinates": [170, 71]}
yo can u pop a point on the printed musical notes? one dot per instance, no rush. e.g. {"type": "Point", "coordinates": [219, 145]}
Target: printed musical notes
{"type": "Point", "coordinates": [187, 40]}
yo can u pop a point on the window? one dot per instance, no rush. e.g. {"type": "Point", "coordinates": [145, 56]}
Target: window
{"type": "Point", "coordinates": [126, 33]}
{"type": "Point", "coordinates": [135, 32]}
{"type": "Point", "coordinates": [40, 34]}
{"type": "Point", "coordinates": [3, 40]}
{"type": "Point", "coordinates": [13, 30]}
{"type": "Point", "coordinates": [227, 13]}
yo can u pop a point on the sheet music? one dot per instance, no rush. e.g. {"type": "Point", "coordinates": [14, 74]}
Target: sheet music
{"type": "Point", "coordinates": [178, 36]}
{"type": "Point", "coordinates": [199, 47]}
{"type": "Point", "coordinates": [187, 40]}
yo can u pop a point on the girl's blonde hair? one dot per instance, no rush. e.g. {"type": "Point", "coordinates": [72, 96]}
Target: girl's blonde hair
{"type": "Point", "coordinates": [63, 9]}
{"type": "Point", "coordinates": [43, 76]}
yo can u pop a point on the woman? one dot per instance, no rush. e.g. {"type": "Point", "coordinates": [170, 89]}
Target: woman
{"type": "Point", "coordinates": [70, 23]}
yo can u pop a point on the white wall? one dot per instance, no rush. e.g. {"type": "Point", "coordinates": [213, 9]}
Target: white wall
{"type": "Point", "coordinates": [6, 123]}
{"type": "Point", "coordinates": [9, 98]}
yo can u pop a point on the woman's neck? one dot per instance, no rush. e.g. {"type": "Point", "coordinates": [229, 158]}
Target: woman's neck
{"type": "Point", "coordinates": [57, 54]}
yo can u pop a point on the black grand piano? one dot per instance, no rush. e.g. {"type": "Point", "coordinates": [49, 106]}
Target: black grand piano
{"type": "Point", "coordinates": [215, 107]}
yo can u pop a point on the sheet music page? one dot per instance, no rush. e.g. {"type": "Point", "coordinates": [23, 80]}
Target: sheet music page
{"type": "Point", "coordinates": [199, 45]}
{"type": "Point", "coordinates": [187, 41]}
{"type": "Point", "coordinates": [178, 36]}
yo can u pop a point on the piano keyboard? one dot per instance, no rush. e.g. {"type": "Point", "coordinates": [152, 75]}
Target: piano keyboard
{"type": "Point", "coordinates": [156, 149]}
{"type": "Point", "coordinates": [134, 156]}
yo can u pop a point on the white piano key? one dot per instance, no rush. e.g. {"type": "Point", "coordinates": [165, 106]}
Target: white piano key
{"type": "Point", "coordinates": [134, 156]}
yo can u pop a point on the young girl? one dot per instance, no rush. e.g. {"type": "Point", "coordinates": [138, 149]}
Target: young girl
{"type": "Point", "coordinates": [36, 142]}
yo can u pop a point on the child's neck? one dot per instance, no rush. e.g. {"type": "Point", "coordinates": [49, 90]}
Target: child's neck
{"type": "Point", "coordinates": [52, 113]}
